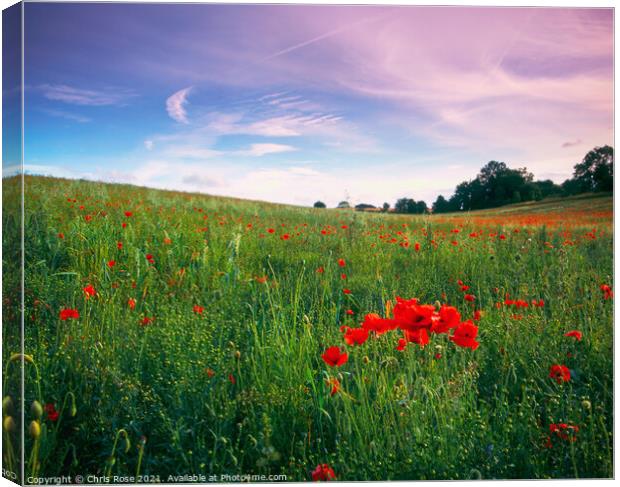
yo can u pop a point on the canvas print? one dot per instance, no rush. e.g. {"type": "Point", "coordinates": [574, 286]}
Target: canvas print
{"type": "Point", "coordinates": [306, 243]}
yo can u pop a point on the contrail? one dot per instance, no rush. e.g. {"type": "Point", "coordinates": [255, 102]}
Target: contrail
{"type": "Point", "coordinates": [324, 36]}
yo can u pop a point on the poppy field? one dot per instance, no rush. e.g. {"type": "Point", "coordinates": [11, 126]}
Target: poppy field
{"type": "Point", "coordinates": [170, 334]}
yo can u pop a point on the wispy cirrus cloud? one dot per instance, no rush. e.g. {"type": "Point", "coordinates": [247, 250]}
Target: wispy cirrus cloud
{"type": "Point", "coordinates": [258, 150]}
{"type": "Point", "coordinates": [175, 105]}
{"type": "Point", "coordinates": [85, 97]}
{"type": "Point", "coordinates": [68, 115]}
{"type": "Point", "coordinates": [290, 125]}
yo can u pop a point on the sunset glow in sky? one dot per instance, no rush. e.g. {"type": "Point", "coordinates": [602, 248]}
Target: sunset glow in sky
{"type": "Point", "coordinates": [299, 103]}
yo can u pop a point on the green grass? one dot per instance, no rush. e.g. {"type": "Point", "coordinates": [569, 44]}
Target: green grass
{"type": "Point", "coordinates": [399, 415]}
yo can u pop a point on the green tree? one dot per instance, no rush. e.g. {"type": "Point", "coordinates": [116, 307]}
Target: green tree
{"type": "Point", "coordinates": [320, 204]}
{"type": "Point", "coordinates": [441, 205]}
{"type": "Point", "coordinates": [404, 205]}
{"type": "Point", "coordinates": [596, 171]}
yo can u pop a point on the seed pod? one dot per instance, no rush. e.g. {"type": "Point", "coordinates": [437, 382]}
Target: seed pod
{"type": "Point", "coordinates": [8, 424]}
{"type": "Point", "coordinates": [7, 406]}
{"type": "Point", "coordinates": [36, 410]}
{"type": "Point", "coordinates": [34, 429]}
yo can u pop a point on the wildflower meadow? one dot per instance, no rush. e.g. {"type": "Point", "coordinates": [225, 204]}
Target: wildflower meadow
{"type": "Point", "coordinates": [170, 334]}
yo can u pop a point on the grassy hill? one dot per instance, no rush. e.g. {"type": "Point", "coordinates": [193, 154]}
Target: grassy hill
{"type": "Point", "coordinates": [589, 202]}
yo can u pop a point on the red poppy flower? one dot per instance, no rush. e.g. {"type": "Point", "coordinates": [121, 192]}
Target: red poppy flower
{"type": "Point", "coordinates": [323, 473]}
{"type": "Point", "coordinates": [128, 214]}
{"type": "Point", "coordinates": [346, 291]}
{"type": "Point", "coordinates": [447, 318]}
{"type": "Point", "coordinates": [124, 225]}
{"type": "Point", "coordinates": [119, 245]}
{"type": "Point", "coordinates": [61, 235]}
{"type": "Point", "coordinates": [111, 263]}
{"type": "Point", "coordinates": [146, 321]}
{"type": "Point", "coordinates": [343, 276]}
{"type": "Point", "coordinates": [575, 334]}
{"type": "Point", "coordinates": [355, 336]}
{"type": "Point", "coordinates": [231, 379]}
{"type": "Point", "coordinates": [374, 322]}
{"type": "Point", "coordinates": [89, 291]}
{"type": "Point", "coordinates": [66, 314]}
{"type": "Point", "coordinates": [465, 335]}
{"type": "Point", "coordinates": [271, 230]}
{"type": "Point", "coordinates": [320, 270]}
{"type": "Point", "coordinates": [341, 262]}
{"type": "Point", "coordinates": [607, 292]}
{"type": "Point", "coordinates": [477, 315]}
{"type": "Point", "coordinates": [349, 312]}
{"type": "Point", "coordinates": [198, 309]}
{"type": "Point", "coordinates": [560, 373]}
{"type": "Point", "coordinates": [564, 431]}
{"type": "Point", "coordinates": [470, 297]}
{"type": "Point", "coordinates": [409, 315]}
{"type": "Point", "coordinates": [334, 357]}
{"type": "Point", "coordinates": [402, 344]}
{"type": "Point", "coordinates": [418, 336]}
{"type": "Point", "coordinates": [131, 303]}
{"type": "Point", "coordinates": [334, 384]}
{"type": "Point", "coordinates": [51, 412]}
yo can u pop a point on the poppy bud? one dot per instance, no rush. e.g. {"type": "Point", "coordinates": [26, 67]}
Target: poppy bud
{"type": "Point", "coordinates": [8, 424]}
{"type": "Point", "coordinates": [437, 304]}
{"type": "Point", "coordinates": [366, 359]}
{"type": "Point", "coordinates": [73, 406]}
{"type": "Point", "coordinates": [35, 429]}
{"type": "Point", "coordinates": [237, 354]}
{"type": "Point", "coordinates": [231, 344]}
{"type": "Point", "coordinates": [36, 410]}
{"type": "Point", "coordinates": [586, 404]}
{"type": "Point", "coordinates": [7, 405]}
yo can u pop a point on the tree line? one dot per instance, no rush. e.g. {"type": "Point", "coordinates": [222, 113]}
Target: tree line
{"type": "Point", "coordinates": [496, 185]}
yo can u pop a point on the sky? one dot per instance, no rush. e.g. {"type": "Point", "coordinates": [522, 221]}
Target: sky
{"type": "Point", "coordinates": [296, 104]}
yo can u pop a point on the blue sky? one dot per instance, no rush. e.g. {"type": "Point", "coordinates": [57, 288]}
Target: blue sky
{"type": "Point", "coordinates": [298, 103]}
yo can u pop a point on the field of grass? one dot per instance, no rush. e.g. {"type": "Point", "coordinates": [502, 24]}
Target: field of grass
{"type": "Point", "coordinates": [175, 334]}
